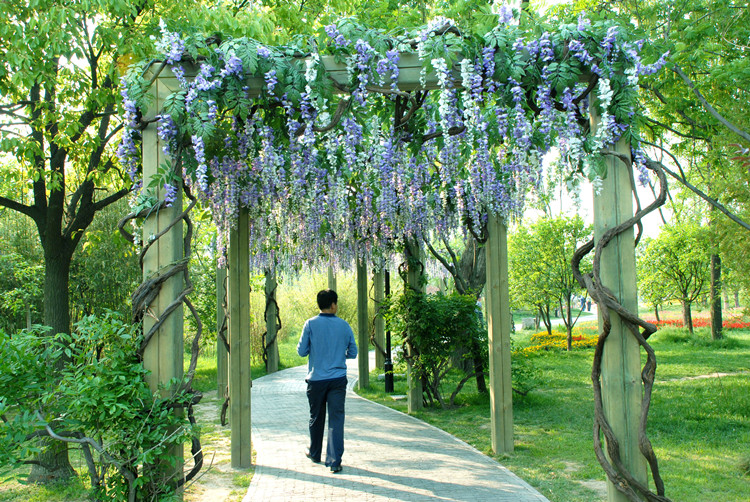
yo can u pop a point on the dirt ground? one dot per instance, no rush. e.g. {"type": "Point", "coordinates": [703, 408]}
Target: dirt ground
{"type": "Point", "coordinates": [217, 481]}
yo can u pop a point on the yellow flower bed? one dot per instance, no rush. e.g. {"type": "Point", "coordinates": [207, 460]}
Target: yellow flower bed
{"type": "Point", "coordinates": [558, 341]}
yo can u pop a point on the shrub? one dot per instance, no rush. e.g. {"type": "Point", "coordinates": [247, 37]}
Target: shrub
{"type": "Point", "coordinates": [435, 326]}
{"type": "Point", "coordinates": [99, 397]}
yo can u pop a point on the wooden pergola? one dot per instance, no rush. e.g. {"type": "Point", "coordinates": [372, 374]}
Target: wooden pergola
{"type": "Point", "coordinates": [613, 204]}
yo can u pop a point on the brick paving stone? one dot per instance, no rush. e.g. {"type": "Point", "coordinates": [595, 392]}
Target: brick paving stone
{"type": "Point", "coordinates": [389, 456]}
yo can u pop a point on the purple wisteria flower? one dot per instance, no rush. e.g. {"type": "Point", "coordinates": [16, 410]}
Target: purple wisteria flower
{"type": "Point", "coordinates": [339, 39]}
{"type": "Point", "coordinates": [264, 52]}
{"type": "Point", "coordinates": [639, 159]}
{"type": "Point", "coordinates": [362, 65]}
{"type": "Point", "coordinates": [652, 68]}
{"type": "Point", "coordinates": [201, 172]}
{"type": "Point", "coordinates": [271, 80]}
{"type": "Point", "coordinates": [488, 67]}
{"type": "Point", "coordinates": [204, 81]}
{"type": "Point", "coordinates": [170, 44]}
{"type": "Point", "coordinates": [505, 14]}
{"type": "Point", "coordinates": [166, 129]}
{"type": "Point", "coordinates": [232, 66]}
{"type": "Point", "coordinates": [583, 22]}
{"type": "Point", "coordinates": [609, 42]}
{"type": "Point", "coordinates": [179, 73]}
{"type": "Point", "coordinates": [389, 65]}
{"type": "Point", "coordinates": [170, 194]}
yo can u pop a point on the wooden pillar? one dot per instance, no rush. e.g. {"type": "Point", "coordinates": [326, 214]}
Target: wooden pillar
{"type": "Point", "coordinates": [222, 362]}
{"type": "Point", "coordinates": [414, 261]}
{"type": "Point", "coordinates": [331, 279]}
{"type": "Point", "coordinates": [240, 380]}
{"type": "Point", "coordinates": [622, 388]}
{"type": "Point", "coordinates": [498, 334]}
{"type": "Point", "coordinates": [379, 293]}
{"type": "Point", "coordinates": [363, 323]}
{"type": "Point", "coordinates": [272, 345]}
{"type": "Point", "coordinates": [163, 357]}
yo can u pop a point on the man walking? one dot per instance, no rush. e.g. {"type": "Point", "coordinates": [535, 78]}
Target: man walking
{"type": "Point", "coordinates": [329, 341]}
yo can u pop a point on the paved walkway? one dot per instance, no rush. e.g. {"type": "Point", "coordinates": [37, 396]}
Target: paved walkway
{"type": "Point", "coordinates": [389, 455]}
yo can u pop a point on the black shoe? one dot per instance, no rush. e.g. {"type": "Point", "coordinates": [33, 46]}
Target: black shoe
{"type": "Point", "coordinates": [335, 468]}
{"type": "Point", "coordinates": [307, 454]}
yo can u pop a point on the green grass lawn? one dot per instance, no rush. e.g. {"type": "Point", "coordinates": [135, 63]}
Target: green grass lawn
{"type": "Point", "coordinates": [700, 427]}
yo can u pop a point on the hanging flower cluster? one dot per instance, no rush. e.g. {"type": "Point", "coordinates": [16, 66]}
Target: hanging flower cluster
{"type": "Point", "coordinates": [336, 152]}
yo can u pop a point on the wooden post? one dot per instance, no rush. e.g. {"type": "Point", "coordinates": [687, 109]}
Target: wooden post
{"type": "Point", "coordinates": [363, 323]}
{"type": "Point", "coordinates": [163, 356]}
{"type": "Point", "coordinates": [272, 346]}
{"type": "Point", "coordinates": [498, 333]}
{"type": "Point", "coordinates": [222, 363]}
{"type": "Point", "coordinates": [413, 254]}
{"type": "Point", "coordinates": [622, 388]}
{"type": "Point", "coordinates": [331, 279]}
{"type": "Point", "coordinates": [240, 380]}
{"type": "Point", "coordinates": [379, 293]}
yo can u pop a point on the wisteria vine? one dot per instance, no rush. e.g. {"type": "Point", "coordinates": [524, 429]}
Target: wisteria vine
{"type": "Point", "coordinates": [330, 169]}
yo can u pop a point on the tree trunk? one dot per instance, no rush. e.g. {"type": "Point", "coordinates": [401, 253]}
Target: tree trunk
{"type": "Point", "coordinates": [479, 367]}
{"type": "Point", "coordinates": [736, 298]}
{"type": "Point", "coordinates": [715, 297]}
{"type": "Point", "coordinates": [687, 316]}
{"type": "Point", "coordinates": [53, 460]}
{"type": "Point", "coordinates": [656, 313]}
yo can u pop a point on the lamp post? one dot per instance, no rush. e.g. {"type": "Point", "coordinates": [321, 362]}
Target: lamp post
{"type": "Point", "coordinates": [388, 363]}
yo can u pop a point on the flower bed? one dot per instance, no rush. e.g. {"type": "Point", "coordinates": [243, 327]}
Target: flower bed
{"type": "Point", "coordinates": [543, 341]}
{"type": "Point", "coordinates": [702, 322]}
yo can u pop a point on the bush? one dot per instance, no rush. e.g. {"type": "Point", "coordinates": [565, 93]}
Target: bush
{"type": "Point", "coordinates": [99, 398]}
{"type": "Point", "coordinates": [436, 326]}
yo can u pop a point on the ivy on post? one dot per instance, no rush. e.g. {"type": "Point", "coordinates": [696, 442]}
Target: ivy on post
{"type": "Point", "coordinates": [222, 340]}
{"type": "Point", "coordinates": [415, 280]}
{"type": "Point", "coordinates": [163, 234]}
{"type": "Point", "coordinates": [270, 343]}
{"type": "Point", "coordinates": [621, 385]}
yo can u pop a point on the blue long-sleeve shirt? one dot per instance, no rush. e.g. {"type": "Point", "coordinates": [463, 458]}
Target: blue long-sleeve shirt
{"type": "Point", "coordinates": [329, 341]}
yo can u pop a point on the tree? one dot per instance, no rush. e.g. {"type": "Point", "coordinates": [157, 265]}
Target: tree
{"type": "Point", "coordinates": [678, 259]}
{"type": "Point", "coordinates": [651, 289]}
{"type": "Point", "coordinates": [540, 270]}
{"type": "Point", "coordinates": [694, 106]}
{"type": "Point", "coordinates": [466, 263]}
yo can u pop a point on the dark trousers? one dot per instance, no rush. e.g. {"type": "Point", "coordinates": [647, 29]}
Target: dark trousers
{"type": "Point", "coordinates": [330, 393]}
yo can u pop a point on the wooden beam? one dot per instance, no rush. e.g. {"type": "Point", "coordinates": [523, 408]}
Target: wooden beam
{"type": "Point", "coordinates": [415, 271]}
{"type": "Point", "coordinates": [222, 362]}
{"type": "Point", "coordinates": [379, 293]}
{"type": "Point", "coordinates": [622, 387]}
{"type": "Point", "coordinates": [163, 357]}
{"type": "Point", "coordinates": [240, 380]}
{"type": "Point", "coordinates": [497, 301]}
{"type": "Point", "coordinates": [363, 324]}
{"type": "Point", "coordinates": [272, 345]}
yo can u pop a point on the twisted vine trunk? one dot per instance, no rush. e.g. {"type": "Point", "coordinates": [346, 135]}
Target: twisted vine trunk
{"type": "Point", "coordinates": [628, 485]}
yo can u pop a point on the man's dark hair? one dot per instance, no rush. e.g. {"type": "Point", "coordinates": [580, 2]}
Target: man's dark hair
{"type": "Point", "coordinates": [326, 298]}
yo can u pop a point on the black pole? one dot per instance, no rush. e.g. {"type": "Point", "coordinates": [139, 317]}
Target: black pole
{"type": "Point", "coordinates": [388, 364]}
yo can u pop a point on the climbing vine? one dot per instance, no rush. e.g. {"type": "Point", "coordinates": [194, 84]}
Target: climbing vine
{"type": "Point", "coordinates": [332, 158]}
